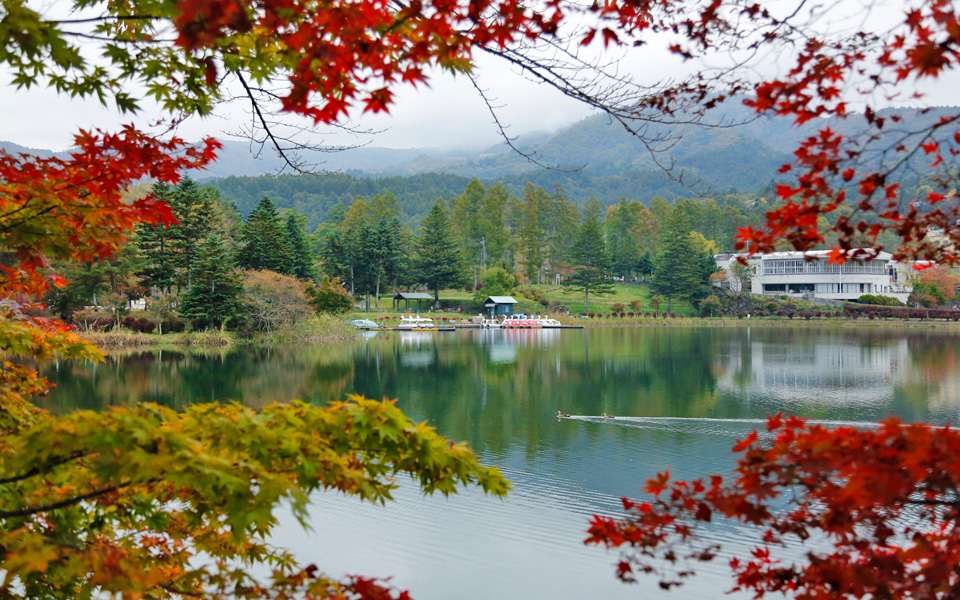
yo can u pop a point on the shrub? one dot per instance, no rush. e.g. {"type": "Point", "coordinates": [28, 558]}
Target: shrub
{"type": "Point", "coordinates": [271, 300]}
{"type": "Point", "coordinates": [146, 325]}
{"type": "Point", "coordinates": [806, 315]}
{"type": "Point", "coordinates": [175, 326]}
{"type": "Point", "coordinates": [691, 314]}
{"type": "Point", "coordinates": [629, 314]}
{"type": "Point", "coordinates": [646, 315]}
{"type": "Point", "coordinates": [673, 315]}
{"type": "Point", "coordinates": [636, 305]}
{"type": "Point", "coordinates": [591, 315]}
{"type": "Point", "coordinates": [623, 314]}
{"type": "Point", "coordinates": [468, 287]}
{"type": "Point", "coordinates": [871, 315]}
{"type": "Point", "coordinates": [101, 324]}
{"type": "Point", "coordinates": [129, 322]}
{"type": "Point", "coordinates": [617, 307]}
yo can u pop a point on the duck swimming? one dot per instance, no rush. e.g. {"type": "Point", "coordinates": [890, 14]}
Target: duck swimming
{"type": "Point", "coordinates": [561, 415]}
{"type": "Point", "coordinates": [606, 416]}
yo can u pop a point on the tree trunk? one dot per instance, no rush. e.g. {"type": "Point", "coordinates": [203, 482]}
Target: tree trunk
{"type": "Point", "coordinates": [376, 298]}
{"type": "Point", "coordinates": [668, 305]}
{"type": "Point", "coordinates": [586, 296]}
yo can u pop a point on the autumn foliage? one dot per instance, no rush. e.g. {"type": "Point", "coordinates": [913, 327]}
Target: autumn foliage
{"type": "Point", "coordinates": [129, 501]}
{"type": "Point", "coordinates": [874, 511]}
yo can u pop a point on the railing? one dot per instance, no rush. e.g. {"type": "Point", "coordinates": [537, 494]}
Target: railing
{"type": "Point", "coordinates": [791, 267]}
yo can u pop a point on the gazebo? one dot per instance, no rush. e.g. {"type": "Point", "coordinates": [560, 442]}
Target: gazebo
{"type": "Point", "coordinates": [499, 305]}
{"type": "Point", "coordinates": [408, 297]}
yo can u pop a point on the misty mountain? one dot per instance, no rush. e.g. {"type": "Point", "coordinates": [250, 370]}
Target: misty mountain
{"type": "Point", "coordinates": [592, 158]}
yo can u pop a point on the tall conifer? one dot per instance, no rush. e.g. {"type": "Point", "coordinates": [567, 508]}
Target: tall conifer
{"type": "Point", "coordinates": [264, 244]}
{"type": "Point", "coordinates": [214, 294]}
{"type": "Point", "coordinates": [589, 258]}
{"type": "Point", "coordinates": [439, 263]}
{"type": "Point", "coordinates": [677, 268]}
{"type": "Point", "coordinates": [301, 262]}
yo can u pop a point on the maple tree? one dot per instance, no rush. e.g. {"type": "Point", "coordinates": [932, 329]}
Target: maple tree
{"type": "Point", "coordinates": [874, 510]}
{"type": "Point", "coordinates": [123, 501]}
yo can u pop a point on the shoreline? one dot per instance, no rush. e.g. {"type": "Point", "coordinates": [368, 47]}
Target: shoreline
{"type": "Point", "coordinates": [844, 322]}
{"type": "Point", "coordinates": [207, 339]}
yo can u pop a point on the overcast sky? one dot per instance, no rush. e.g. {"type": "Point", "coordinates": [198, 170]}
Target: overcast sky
{"type": "Point", "coordinates": [449, 113]}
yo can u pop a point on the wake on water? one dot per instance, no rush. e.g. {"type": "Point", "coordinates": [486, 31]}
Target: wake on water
{"type": "Point", "coordinates": [701, 425]}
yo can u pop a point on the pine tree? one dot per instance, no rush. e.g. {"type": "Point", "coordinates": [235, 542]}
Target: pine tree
{"type": "Point", "coordinates": [214, 294]}
{"type": "Point", "coordinates": [194, 209]}
{"type": "Point", "coordinates": [384, 252]}
{"type": "Point", "coordinates": [588, 255]}
{"type": "Point", "coordinates": [466, 224]}
{"type": "Point", "coordinates": [264, 245]}
{"type": "Point", "coordinates": [337, 252]}
{"type": "Point", "coordinates": [677, 268]}
{"type": "Point", "coordinates": [301, 262]}
{"type": "Point", "coordinates": [438, 261]}
{"type": "Point", "coordinates": [528, 221]}
{"type": "Point", "coordinates": [154, 245]}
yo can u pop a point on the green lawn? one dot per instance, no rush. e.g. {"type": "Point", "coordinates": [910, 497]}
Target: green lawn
{"type": "Point", "coordinates": [624, 293]}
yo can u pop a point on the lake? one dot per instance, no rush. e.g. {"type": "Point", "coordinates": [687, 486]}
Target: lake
{"type": "Point", "coordinates": [681, 397]}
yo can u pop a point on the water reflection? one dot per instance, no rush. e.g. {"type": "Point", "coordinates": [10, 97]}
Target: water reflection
{"type": "Point", "coordinates": [681, 396]}
{"type": "Point", "coordinates": [517, 377]}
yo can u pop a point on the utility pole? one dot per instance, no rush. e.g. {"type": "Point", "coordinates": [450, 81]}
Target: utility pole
{"type": "Point", "coordinates": [483, 253]}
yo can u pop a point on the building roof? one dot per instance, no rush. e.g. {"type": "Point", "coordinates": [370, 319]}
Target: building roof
{"type": "Point", "coordinates": [412, 296]}
{"type": "Point", "coordinates": [500, 300]}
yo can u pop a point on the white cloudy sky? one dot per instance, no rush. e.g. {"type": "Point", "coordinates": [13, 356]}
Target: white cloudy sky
{"type": "Point", "coordinates": [449, 113]}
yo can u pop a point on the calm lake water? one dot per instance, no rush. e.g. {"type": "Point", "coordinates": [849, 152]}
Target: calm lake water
{"type": "Point", "coordinates": [681, 397]}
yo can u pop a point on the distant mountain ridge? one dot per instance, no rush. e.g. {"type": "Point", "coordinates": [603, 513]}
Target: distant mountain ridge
{"type": "Point", "coordinates": [596, 158]}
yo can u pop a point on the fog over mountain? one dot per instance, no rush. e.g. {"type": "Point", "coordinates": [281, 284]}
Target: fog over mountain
{"type": "Point", "coordinates": [593, 157]}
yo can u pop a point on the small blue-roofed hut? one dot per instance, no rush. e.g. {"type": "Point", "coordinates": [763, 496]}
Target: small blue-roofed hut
{"type": "Point", "coordinates": [499, 305]}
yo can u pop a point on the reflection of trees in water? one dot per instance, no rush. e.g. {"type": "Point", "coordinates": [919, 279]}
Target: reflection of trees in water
{"type": "Point", "coordinates": [252, 376]}
{"type": "Point", "coordinates": [497, 390]}
{"type": "Point", "coordinates": [468, 389]}
{"type": "Point", "coordinates": [819, 372]}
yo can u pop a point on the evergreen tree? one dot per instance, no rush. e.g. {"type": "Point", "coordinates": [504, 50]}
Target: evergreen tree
{"type": "Point", "coordinates": [645, 264]}
{"type": "Point", "coordinates": [301, 262]}
{"type": "Point", "coordinates": [154, 244]}
{"type": "Point", "coordinates": [337, 255]}
{"type": "Point", "coordinates": [214, 293]}
{"type": "Point", "coordinates": [363, 239]}
{"type": "Point", "coordinates": [492, 224]}
{"type": "Point", "coordinates": [589, 258]}
{"type": "Point", "coordinates": [560, 219]}
{"type": "Point", "coordinates": [624, 255]}
{"type": "Point", "coordinates": [194, 209]}
{"type": "Point", "coordinates": [678, 268]}
{"type": "Point", "coordinates": [438, 261]}
{"type": "Point", "coordinates": [466, 224]}
{"type": "Point", "coordinates": [528, 217]}
{"type": "Point", "coordinates": [264, 244]}
{"type": "Point", "coordinates": [384, 253]}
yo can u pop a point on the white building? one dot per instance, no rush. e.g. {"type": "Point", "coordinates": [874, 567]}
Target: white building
{"type": "Point", "coordinates": [810, 274]}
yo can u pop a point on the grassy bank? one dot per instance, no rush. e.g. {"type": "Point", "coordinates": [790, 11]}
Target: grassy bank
{"type": "Point", "coordinates": [317, 330]}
